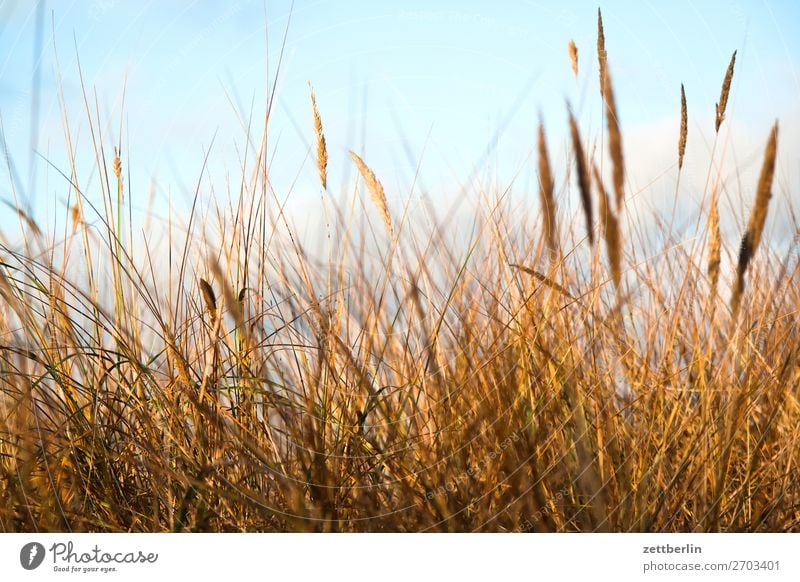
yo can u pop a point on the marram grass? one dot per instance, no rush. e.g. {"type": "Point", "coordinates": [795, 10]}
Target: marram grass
{"type": "Point", "coordinates": [517, 382]}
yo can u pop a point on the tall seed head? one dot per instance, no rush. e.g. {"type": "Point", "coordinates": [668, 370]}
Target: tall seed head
{"type": "Point", "coordinates": [614, 139]}
{"type": "Point", "coordinates": [376, 191]}
{"type": "Point", "coordinates": [584, 182]}
{"type": "Point", "coordinates": [546, 195]}
{"type": "Point", "coordinates": [684, 129]}
{"type": "Point", "coordinates": [714, 245]}
{"type": "Point", "coordinates": [610, 224]}
{"type": "Point", "coordinates": [322, 149]}
{"type": "Point", "coordinates": [758, 217]}
{"type": "Point", "coordinates": [726, 88]}
{"type": "Point", "coordinates": [601, 51]}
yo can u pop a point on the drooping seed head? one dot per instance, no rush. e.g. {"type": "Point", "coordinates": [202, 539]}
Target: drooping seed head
{"type": "Point", "coordinates": [376, 191]}
{"type": "Point", "coordinates": [322, 149]}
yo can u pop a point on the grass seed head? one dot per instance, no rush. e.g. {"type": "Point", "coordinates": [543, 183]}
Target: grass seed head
{"type": "Point", "coordinates": [614, 140]}
{"type": "Point", "coordinates": [376, 191]}
{"type": "Point", "coordinates": [601, 51]}
{"type": "Point", "coordinates": [758, 217]}
{"type": "Point", "coordinates": [610, 224]}
{"type": "Point", "coordinates": [714, 246]}
{"type": "Point", "coordinates": [573, 57]}
{"type": "Point", "coordinates": [117, 164]}
{"type": "Point", "coordinates": [726, 89]}
{"type": "Point", "coordinates": [209, 297]}
{"type": "Point", "coordinates": [584, 181]}
{"type": "Point", "coordinates": [322, 148]}
{"type": "Point", "coordinates": [684, 129]}
{"type": "Point", "coordinates": [546, 195]}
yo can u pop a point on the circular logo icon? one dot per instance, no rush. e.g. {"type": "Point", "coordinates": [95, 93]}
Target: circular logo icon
{"type": "Point", "coordinates": [31, 555]}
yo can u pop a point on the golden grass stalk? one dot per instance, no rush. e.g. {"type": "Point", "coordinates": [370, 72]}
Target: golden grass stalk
{"type": "Point", "coordinates": [726, 88]}
{"type": "Point", "coordinates": [601, 51]}
{"type": "Point", "coordinates": [610, 224]}
{"type": "Point", "coordinates": [542, 279]}
{"type": "Point", "coordinates": [546, 195]}
{"type": "Point", "coordinates": [584, 181]}
{"type": "Point", "coordinates": [758, 217]}
{"type": "Point", "coordinates": [376, 191]}
{"type": "Point", "coordinates": [322, 148]}
{"type": "Point", "coordinates": [573, 57]}
{"type": "Point", "coordinates": [714, 246]}
{"type": "Point", "coordinates": [684, 129]}
{"type": "Point", "coordinates": [614, 140]}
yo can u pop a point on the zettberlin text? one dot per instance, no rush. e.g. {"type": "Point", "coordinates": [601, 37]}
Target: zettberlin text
{"type": "Point", "coordinates": [669, 549]}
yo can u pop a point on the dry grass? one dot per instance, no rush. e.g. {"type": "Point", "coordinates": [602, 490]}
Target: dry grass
{"type": "Point", "coordinates": [444, 385]}
{"type": "Point", "coordinates": [610, 224]}
{"type": "Point", "coordinates": [602, 56]}
{"type": "Point", "coordinates": [584, 179]}
{"type": "Point", "coordinates": [376, 192]}
{"type": "Point", "coordinates": [614, 140]}
{"type": "Point", "coordinates": [573, 57]}
{"type": "Point", "coordinates": [758, 217]}
{"type": "Point", "coordinates": [322, 148]}
{"type": "Point", "coordinates": [209, 297]}
{"type": "Point", "coordinates": [684, 129]}
{"type": "Point", "coordinates": [714, 246]}
{"type": "Point", "coordinates": [724, 92]}
{"type": "Point", "coordinates": [547, 198]}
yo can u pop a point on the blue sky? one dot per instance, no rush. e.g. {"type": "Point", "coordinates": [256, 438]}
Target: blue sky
{"type": "Point", "coordinates": [393, 80]}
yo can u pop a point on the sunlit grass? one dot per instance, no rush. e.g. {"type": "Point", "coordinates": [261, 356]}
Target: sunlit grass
{"type": "Point", "coordinates": [404, 379]}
